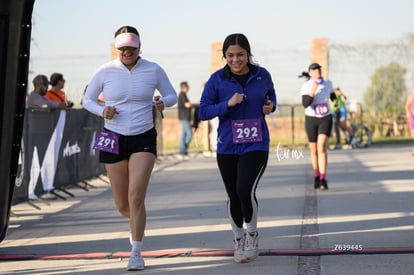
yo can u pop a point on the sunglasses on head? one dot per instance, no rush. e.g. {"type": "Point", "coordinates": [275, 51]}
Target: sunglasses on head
{"type": "Point", "coordinates": [123, 49]}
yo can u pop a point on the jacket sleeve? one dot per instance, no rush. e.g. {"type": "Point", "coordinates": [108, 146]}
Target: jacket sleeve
{"type": "Point", "coordinates": [167, 91]}
{"type": "Point", "coordinates": [333, 96]}
{"type": "Point", "coordinates": [306, 100]}
{"type": "Point", "coordinates": [271, 94]}
{"type": "Point", "coordinates": [210, 105]}
{"type": "Point", "coordinates": [91, 95]}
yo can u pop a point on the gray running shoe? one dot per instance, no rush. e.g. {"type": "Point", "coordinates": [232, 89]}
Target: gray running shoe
{"type": "Point", "coordinates": [136, 262]}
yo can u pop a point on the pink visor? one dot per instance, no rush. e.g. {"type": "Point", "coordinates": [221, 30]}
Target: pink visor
{"type": "Point", "coordinates": [127, 39]}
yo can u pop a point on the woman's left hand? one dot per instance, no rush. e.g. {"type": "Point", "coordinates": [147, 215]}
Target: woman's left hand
{"type": "Point", "coordinates": [268, 107]}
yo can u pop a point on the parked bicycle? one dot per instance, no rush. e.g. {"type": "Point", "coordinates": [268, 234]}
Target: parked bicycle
{"type": "Point", "coordinates": [362, 136]}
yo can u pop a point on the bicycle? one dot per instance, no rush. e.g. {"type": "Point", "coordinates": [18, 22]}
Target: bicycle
{"type": "Point", "coordinates": [362, 136]}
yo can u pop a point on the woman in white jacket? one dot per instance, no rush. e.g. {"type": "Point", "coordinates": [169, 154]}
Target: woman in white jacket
{"type": "Point", "coordinates": [128, 143]}
{"type": "Point", "coordinates": [316, 93]}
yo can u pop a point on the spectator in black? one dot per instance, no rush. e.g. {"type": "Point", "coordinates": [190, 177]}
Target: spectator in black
{"type": "Point", "coordinates": [184, 116]}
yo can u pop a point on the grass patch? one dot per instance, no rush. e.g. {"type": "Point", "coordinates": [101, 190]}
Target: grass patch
{"type": "Point", "coordinates": [392, 140]}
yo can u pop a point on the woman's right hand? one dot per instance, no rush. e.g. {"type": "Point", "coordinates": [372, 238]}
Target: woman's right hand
{"type": "Point", "coordinates": [313, 88]}
{"type": "Point", "coordinates": [237, 98]}
{"type": "Point", "coordinates": [109, 112]}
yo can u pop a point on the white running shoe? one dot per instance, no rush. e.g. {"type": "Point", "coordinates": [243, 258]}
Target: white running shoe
{"type": "Point", "coordinates": [251, 247]}
{"type": "Point", "coordinates": [239, 251]}
{"type": "Point", "coordinates": [136, 262]}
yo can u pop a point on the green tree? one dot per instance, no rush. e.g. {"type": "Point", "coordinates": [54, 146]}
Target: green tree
{"type": "Point", "coordinates": [385, 97]}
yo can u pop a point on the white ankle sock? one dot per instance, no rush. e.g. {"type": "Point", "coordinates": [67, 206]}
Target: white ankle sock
{"type": "Point", "coordinates": [136, 246]}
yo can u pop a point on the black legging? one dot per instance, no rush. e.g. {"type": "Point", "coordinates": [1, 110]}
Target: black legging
{"type": "Point", "coordinates": [241, 174]}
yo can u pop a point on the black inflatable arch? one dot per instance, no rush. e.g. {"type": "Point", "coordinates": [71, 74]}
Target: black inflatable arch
{"type": "Point", "coordinates": [15, 36]}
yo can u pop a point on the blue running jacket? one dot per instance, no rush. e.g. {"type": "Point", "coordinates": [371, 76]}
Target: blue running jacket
{"type": "Point", "coordinates": [219, 89]}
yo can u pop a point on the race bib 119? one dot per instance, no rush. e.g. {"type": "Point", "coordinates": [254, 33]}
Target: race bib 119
{"type": "Point", "coordinates": [321, 109]}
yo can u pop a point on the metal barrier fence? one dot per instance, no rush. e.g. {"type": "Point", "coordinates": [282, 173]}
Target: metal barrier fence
{"type": "Point", "coordinates": [56, 151]}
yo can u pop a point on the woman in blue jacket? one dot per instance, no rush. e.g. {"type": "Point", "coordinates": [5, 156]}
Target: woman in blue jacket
{"type": "Point", "coordinates": [240, 95]}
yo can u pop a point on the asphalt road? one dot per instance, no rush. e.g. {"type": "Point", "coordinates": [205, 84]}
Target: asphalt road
{"type": "Point", "coordinates": [364, 223]}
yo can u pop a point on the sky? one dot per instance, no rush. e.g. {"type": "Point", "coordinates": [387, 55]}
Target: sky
{"type": "Point", "coordinates": [73, 37]}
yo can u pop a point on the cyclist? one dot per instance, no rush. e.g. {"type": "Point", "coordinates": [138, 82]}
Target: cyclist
{"type": "Point", "coordinates": [340, 118]}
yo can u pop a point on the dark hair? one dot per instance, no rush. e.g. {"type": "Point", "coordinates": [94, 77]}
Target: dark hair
{"type": "Point", "coordinates": [40, 79]}
{"type": "Point", "coordinates": [55, 78]}
{"type": "Point", "coordinates": [314, 66]}
{"type": "Point", "coordinates": [240, 40]}
{"type": "Point", "coordinates": [305, 75]}
{"type": "Point", "coordinates": [126, 29]}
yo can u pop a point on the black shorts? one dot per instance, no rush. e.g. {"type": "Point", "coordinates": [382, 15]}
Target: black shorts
{"type": "Point", "coordinates": [145, 142]}
{"type": "Point", "coordinates": [318, 125]}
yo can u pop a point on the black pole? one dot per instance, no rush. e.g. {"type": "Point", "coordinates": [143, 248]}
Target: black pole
{"type": "Point", "coordinates": [15, 36]}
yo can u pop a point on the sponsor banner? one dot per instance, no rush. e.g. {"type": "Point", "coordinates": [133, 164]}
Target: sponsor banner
{"type": "Point", "coordinates": [56, 151]}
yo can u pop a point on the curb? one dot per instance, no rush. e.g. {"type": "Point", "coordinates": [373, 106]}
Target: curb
{"type": "Point", "coordinates": [206, 253]}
